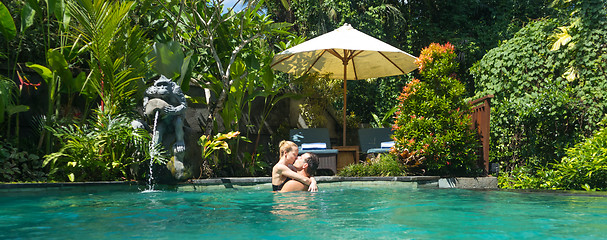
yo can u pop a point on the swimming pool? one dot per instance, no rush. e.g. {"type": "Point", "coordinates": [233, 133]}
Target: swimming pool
{"type": "Point", "coordinates": [336, 212]}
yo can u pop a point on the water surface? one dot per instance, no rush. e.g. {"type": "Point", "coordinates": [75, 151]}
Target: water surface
{"type": "Point", "coordinates": [333, 213]}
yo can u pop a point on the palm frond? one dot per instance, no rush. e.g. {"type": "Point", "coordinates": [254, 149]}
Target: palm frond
{"type": "Point", "coordinates": [118, 52]}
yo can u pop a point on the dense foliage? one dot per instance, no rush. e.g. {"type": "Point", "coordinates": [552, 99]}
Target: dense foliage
{"type": "Point", "coordinates": [367, 98]}
{"type": "Point", "coordinates": [384, 165]}
{"type": "Point", "coordinates": [583, 167]}
{"type": "Point", "coordinates": [107, 148]}
{"type": "Point", "coordinates": [16, 165]}
{"type": "Point", "coordinates": [536, 112]}
{"type": "Point", "coordinates": [549, 88]}
{"type": "Point", "coordinates": [319, 93]}
{"type": "Point", "coordinates": [115, 50]}
{"type": "Point", "coordinates": [433, 120]}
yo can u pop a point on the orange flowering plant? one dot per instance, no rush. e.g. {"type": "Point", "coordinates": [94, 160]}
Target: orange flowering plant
{"type": "Point", "coordinates": [432, 124]}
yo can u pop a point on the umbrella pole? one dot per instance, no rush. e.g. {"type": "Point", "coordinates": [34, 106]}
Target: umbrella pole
{"type": "Point", "coordinates": [344, 112]}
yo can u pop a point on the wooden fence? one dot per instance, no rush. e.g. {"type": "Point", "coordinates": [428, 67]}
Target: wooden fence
{"type": "Point", "coordinates": [481, 115]}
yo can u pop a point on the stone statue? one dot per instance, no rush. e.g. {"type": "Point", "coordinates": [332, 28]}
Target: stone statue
{"type": "Point", "coordinates": [166, 98]}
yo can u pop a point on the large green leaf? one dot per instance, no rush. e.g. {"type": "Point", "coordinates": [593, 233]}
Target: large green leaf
{"type": "Point", "coordinates": [27, 16]}
{"type": "Point", "coordinates": [59, 65]}
{"type": "Point", "coordinates": [62, 13]}
{"type": "Point", "coordinates": [43, 71]}
{"type": "Point", "coordinates": [17, 109]}
{"type": "Point", "coordinates": [85, 89]}
{"type": "Point", "coordinates": [168, 57]}
{"type": "Point", "coordinates": [51, 4]}
{"type": "Point", "coordinates": [237, 70]}
{"type": "Point", "coordinates": [7, 24]}
{"type": "Point", "coordinates": [186, 71]}
{"type": "Point", "coordinates": [268, 77]}
{"type": "Point", "coordinates": [257, 5]}
{"type": "Point", "coordinates": [58, 11]}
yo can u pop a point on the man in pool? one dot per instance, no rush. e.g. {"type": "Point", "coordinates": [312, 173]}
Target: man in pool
{"type": "Point", "coordinates": [306, 165]}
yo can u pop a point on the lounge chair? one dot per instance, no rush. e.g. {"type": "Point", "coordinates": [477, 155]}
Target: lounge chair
{"type": "Point", "coordinates": [317, 141]}
{"type": "Point", "coordinates": [375, 140]}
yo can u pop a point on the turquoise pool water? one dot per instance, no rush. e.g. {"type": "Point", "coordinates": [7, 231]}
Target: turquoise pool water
{"type": "Point", "coordinates": [333, 213]}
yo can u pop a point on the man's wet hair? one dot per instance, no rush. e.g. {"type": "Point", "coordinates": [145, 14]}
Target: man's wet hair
{"type": "Point", "coordinates": [312, 161]}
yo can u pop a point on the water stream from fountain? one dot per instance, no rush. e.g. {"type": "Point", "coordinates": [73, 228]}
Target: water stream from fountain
{"type": "Point", "coordinates": [152, 153]}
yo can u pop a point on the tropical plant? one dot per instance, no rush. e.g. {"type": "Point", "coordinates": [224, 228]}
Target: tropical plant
{"type": "Point", "coordinates": [118, 51]}
{"type": "Point", "coordinates": [9, 106]}
{"type": "Point", "coordinates": [433, 120]}
{"type": "Point", "coordinates": [59, 79]}
{"type": "Point", "coordinates": [104, 149]}
{"type": "Point", "coordinates": [173, 63]}
{"type": "Point", "coordinates": [53, 24]}
{"type": "Point", "coordinates": [584, 167]}
{"type": "Point", "coordinates": [258, 165]}
{"type": "Point", "coordinates": [386, 121]}
{"type": "Point", "coordinates": [8, 97]}
{"type": "Point", "coordinates": [211, 145]}
{"type": "Point", "coordinates": [232, 54]}
{"type": "Point", "coordinates": [384, 165]}
{"type": "Point", "coordinates": [18, 165]}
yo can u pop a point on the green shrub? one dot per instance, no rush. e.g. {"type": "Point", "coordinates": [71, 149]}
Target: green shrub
{"type": "Point", "coordinates": [383, 166]}
{"type": "Point", "coordinates": [104, 149]}
{"type": "Point", "coordinates": [584, 167]}
{"type": "Point", "coordinates": [19, 166]}
{"type": "Point", "coordinates": [520, 177]}
{"type": "Point", "coordinates": [433, 119]}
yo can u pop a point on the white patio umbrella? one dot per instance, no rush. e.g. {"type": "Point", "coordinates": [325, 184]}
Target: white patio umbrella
{"type": "Point", "coordinates": [345, 53]}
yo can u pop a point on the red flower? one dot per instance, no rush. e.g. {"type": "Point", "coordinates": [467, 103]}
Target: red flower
{"type": "Point", "coordinates": [26, 83]}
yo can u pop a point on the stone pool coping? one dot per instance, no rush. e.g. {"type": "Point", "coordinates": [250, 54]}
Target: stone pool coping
{"type": "Point", "coordinates": [265, 182]}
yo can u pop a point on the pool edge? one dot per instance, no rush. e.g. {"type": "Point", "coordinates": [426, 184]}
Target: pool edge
{"type": "Point", "coordinates": [261, 182]}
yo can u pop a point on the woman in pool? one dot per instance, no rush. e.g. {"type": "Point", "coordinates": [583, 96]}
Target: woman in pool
{"type": "Point", "coordinates": [283, 171]}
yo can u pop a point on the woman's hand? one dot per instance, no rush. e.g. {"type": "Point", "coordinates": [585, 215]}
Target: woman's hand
{"type": "Point", "coordinates": [313, 187]}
